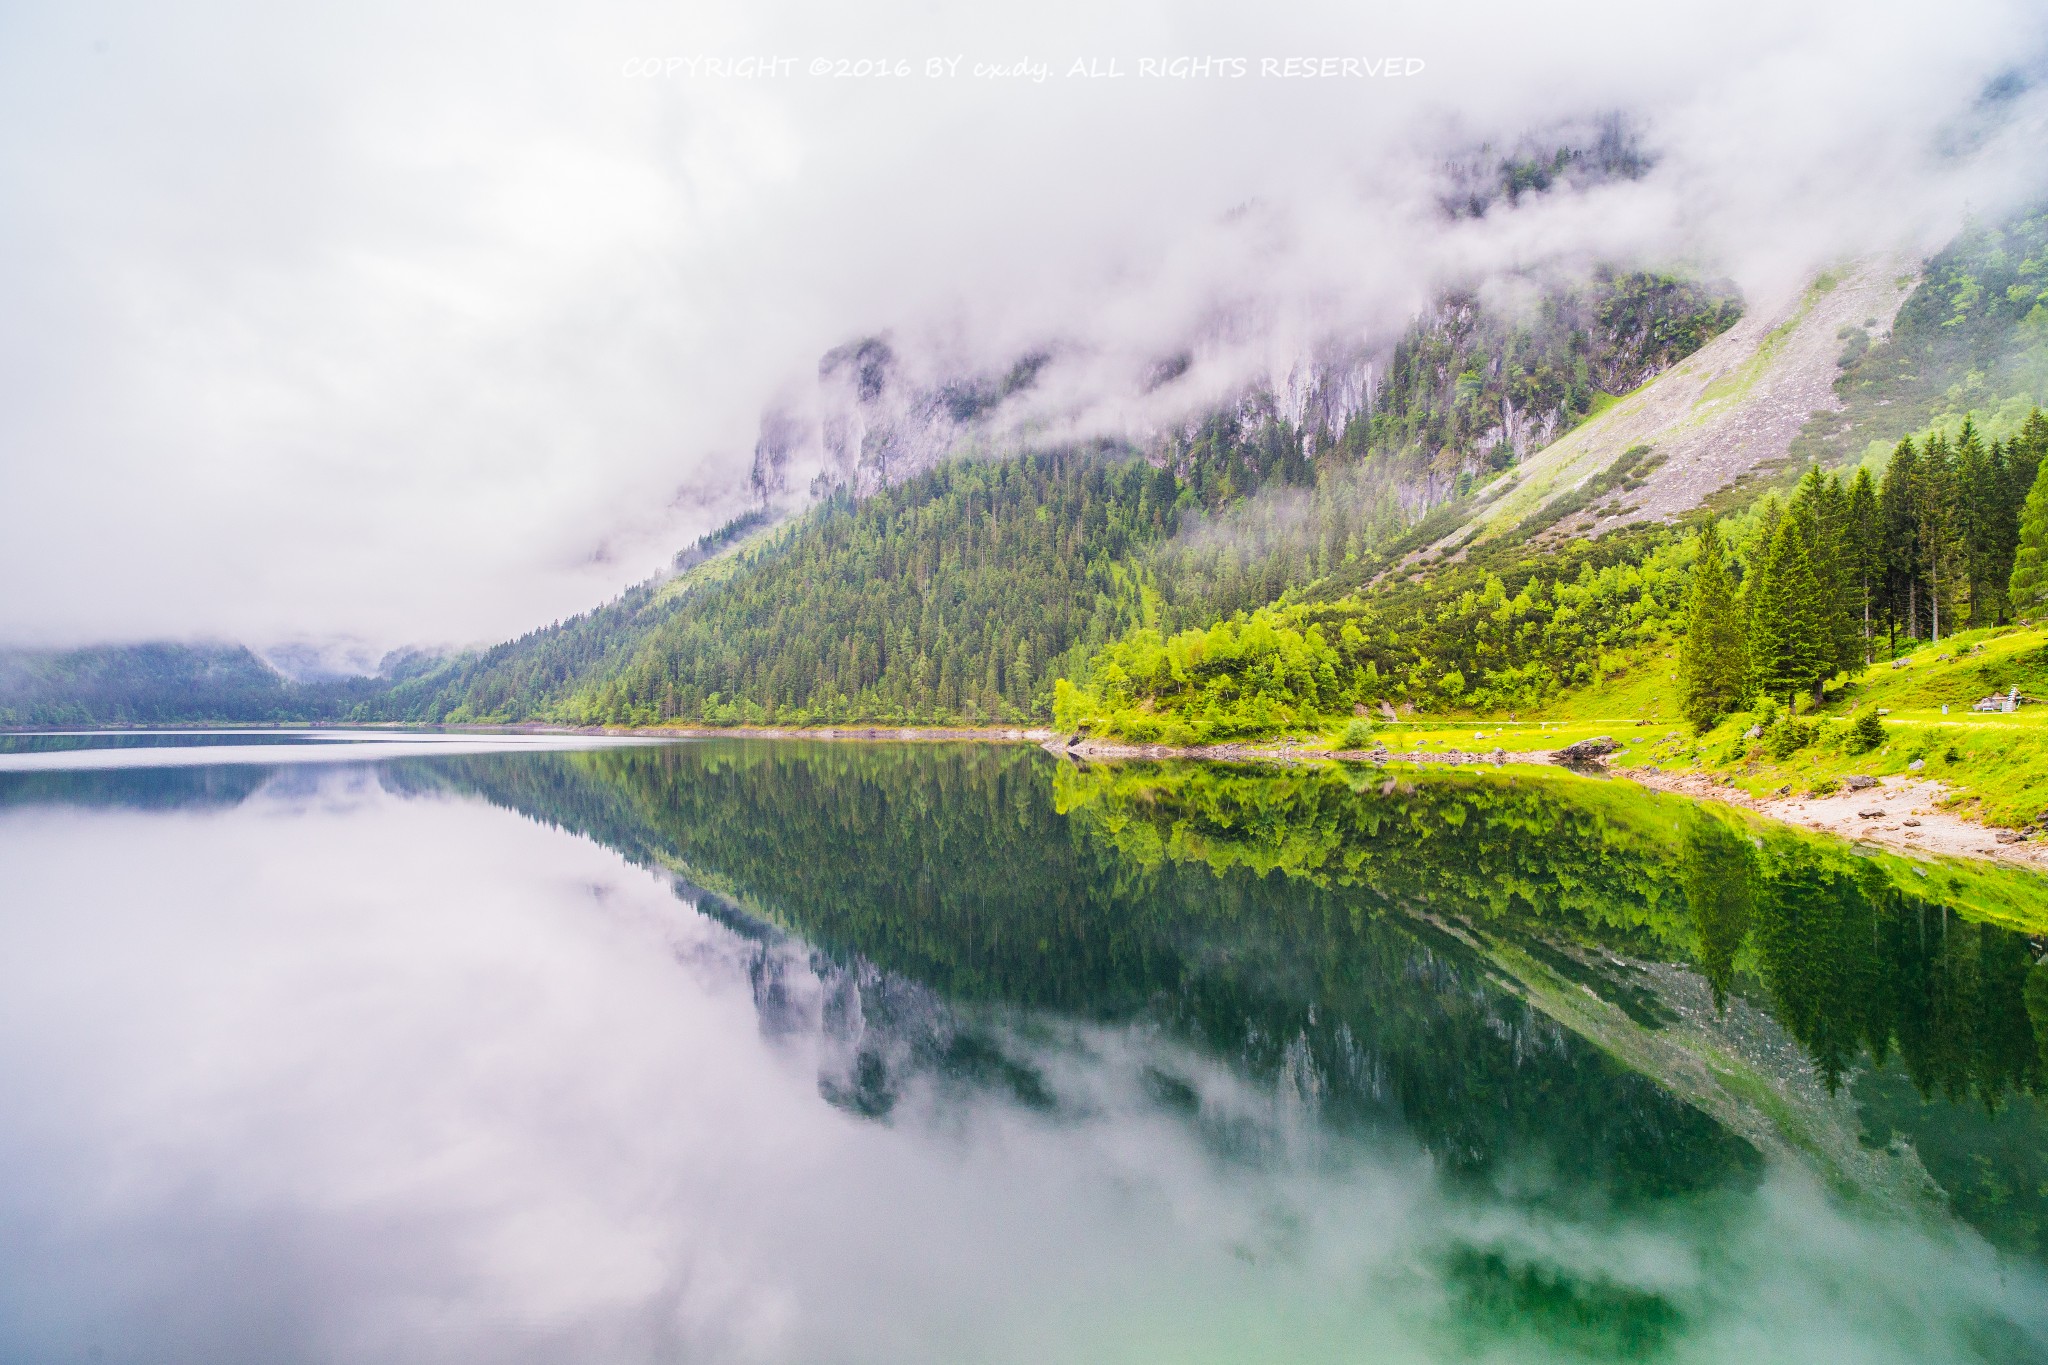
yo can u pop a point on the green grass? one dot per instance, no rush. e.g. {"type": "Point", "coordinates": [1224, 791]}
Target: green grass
{"type": "Point", "coordinates": [1995, 766]}
{"type": "Point", "coordinates": [1998, 772]}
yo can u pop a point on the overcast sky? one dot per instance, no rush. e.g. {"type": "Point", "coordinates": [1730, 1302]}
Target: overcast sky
{"type": "Point", "coordinates": [428, 322]}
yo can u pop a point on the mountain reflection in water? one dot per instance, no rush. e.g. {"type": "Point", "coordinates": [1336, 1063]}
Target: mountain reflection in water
{"type": "Point", "coordinates": [1582, 1014]}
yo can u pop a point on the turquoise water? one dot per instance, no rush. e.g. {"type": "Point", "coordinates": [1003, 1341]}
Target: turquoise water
{"type": "Point", "coordinates": [810, 1052]}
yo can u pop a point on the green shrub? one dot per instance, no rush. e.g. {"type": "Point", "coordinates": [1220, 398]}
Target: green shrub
{"type": "Point", "coordinates": [1866, 733]}
{"type": "Point", "coordinates": [1357, 734]}
{"type": "Point", "coordinates": [1786, 737]}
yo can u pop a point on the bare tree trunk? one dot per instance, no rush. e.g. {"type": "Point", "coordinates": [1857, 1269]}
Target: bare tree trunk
{"type": "Point", "coordinates": [1866, 623]}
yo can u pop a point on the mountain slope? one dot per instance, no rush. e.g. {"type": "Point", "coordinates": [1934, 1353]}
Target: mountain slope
{"type": "Point", "coordinates": [1865, 355]}
{"type": "Point", "coordinates": [529, 677]}
{"type": "Point", "coordinates": [151, 684]}
{"type": "Point", "coordinates": [1729, 411]}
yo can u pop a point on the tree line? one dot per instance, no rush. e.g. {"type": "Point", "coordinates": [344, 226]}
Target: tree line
{"type": "Point", "coordinates": [1951, 538]}
{"type": "Point", "coordinates": [1501, 633]}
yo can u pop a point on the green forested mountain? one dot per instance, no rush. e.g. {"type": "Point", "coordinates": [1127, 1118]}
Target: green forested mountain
{"type": "Point", "coordinates": [964, 592]}
{"type": "Point", "coordinates": [152, 684]}
{"type": "Point", "coordinates": [959, 594]}
{"type": "Point", "coordinates": [1927, 547]}
{"type": "Point", "coordinates": [523, 678]}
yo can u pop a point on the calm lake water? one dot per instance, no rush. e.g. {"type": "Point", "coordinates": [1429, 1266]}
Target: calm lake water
{"type": "Point", "coordinates": [429, 1049]}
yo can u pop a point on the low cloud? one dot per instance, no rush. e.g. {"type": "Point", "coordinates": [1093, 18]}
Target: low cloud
{"type": "Point", "coordinates": [433, 322]}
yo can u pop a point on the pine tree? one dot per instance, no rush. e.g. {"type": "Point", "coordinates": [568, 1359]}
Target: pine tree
{"type": "Point", "coordinates": [1714, 658]}
{"type": "Point", "coordinates": [2000, 513]}
{"type": "Point", "coordinates": [1899, 527]}
{"type": "Point", "coordinates": [1934, 509]}
{"type": "Point", "coordinates": [1821, 509]}
{"type": "Point", "coordinates": [1864, 555]}
{"type": "Point", "coordinates": [2028, 449]}
{"type": "Point", "coordinates": [2023, 459]}
{"type": "Point", "coordinates": [1788, 646]}
{"type": "Point", "coordinates": [2029, 589]}
{"type": "Point", "coordinates": [1976, 490]}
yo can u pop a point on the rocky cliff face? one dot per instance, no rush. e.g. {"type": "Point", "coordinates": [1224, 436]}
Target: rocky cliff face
{"type": "Point", "coordinates": [1489, 373]}
{"type": "Point", "coordinates": [874, 416]}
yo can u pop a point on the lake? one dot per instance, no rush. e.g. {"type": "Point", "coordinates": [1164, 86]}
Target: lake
{"type": "Point", "coordinates": [339, 1048]}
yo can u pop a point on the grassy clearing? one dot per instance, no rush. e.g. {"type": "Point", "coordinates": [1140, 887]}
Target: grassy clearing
{"type": "Point", "coordinates": [1995, 765]}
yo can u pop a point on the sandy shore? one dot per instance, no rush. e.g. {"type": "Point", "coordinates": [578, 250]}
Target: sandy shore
{"type": "Point", "coordinates": [1909, 818]}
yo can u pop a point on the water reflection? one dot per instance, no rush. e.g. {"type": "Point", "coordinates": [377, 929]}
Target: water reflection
{"type": "Point", "coordinates": [921, 1053]}
{"type": "Point", "coordinates": [1346, 935]}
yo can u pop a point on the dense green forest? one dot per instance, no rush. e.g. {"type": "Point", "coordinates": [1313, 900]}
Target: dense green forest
{"type": "Point", "coordinates": [520, 679]}
{"type": "Point", "coordinates": [956, 595]}
{"type": "Point", "coordinates": [1935, 543]}
{"type": "Point", "coordinates": [1503, 633]}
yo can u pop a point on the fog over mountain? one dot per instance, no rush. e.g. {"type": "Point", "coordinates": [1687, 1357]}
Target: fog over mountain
{"type": "Point", "coordinates": [425, 323]}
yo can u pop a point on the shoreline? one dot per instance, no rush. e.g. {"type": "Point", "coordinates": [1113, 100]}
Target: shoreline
{"type": "Point", "coordinates": [1911, 821]}
{"type": "Point", "coordinates": [1906, 814]}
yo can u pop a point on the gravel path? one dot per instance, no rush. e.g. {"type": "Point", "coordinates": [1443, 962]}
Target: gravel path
{"type": "Point", "coordinates": [1909, 820]}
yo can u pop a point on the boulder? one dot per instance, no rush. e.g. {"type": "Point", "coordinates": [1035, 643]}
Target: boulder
{"type": "Point", "coordinates": [1588, 750]}
{"type": "Point", "coordinates": [1859, 782]}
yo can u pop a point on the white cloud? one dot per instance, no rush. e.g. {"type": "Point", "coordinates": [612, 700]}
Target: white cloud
{"type": "Point", "coordinates": [427, 322]}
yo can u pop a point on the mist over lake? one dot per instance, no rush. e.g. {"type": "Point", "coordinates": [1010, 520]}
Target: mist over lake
{"type": "Point", "coordinates": [803, 1052]}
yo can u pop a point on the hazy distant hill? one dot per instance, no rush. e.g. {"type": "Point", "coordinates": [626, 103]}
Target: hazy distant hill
{"type": "Point", "coordinates": [147, 684]}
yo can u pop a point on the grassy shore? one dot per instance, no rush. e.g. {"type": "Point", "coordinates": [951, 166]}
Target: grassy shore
{"type": "Point", "coordinates": [1993, 768]}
